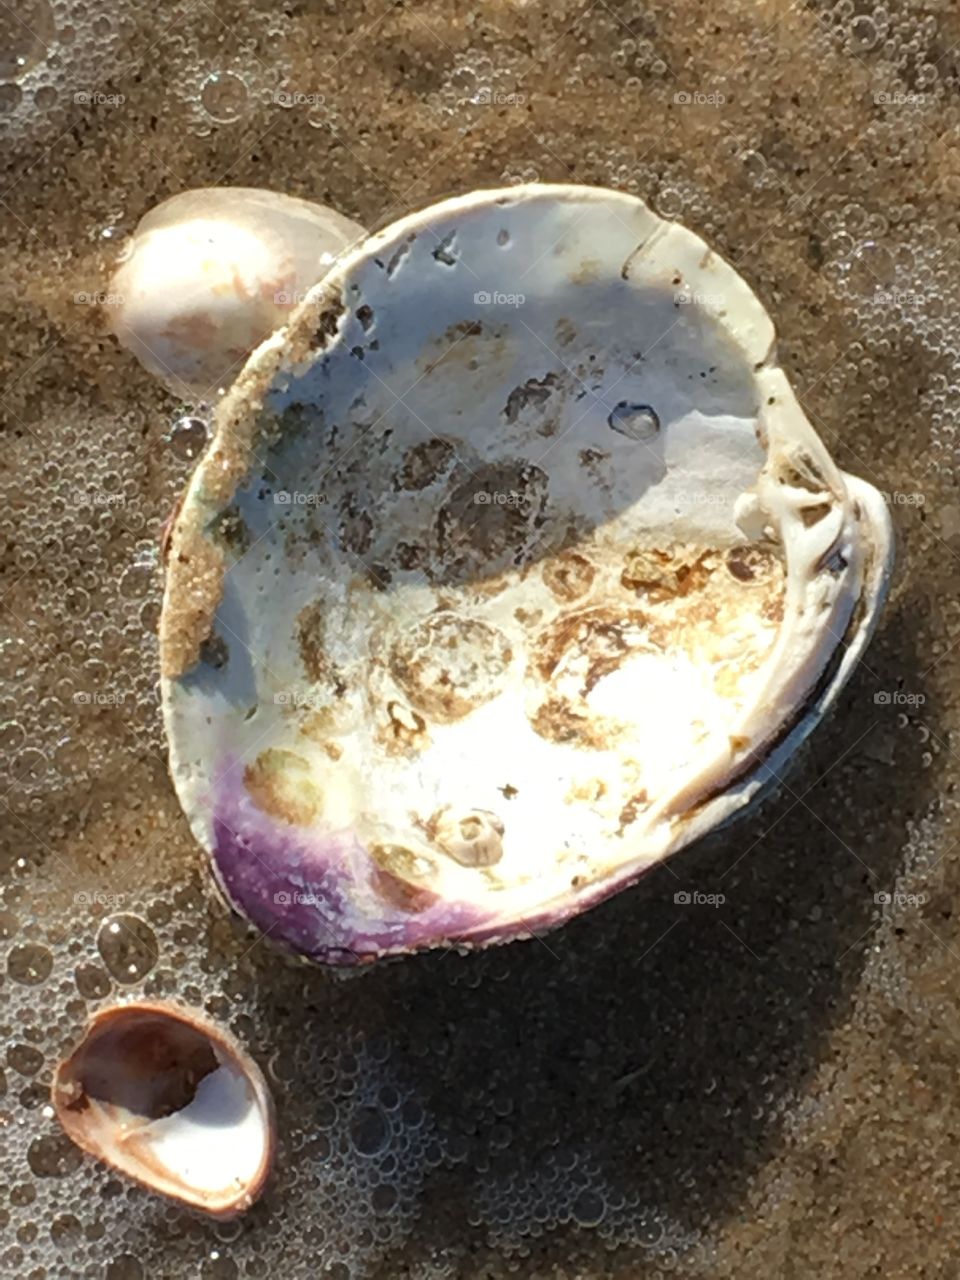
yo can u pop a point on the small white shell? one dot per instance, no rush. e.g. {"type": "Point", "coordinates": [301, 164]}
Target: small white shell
{"type": "Point", "coordinates": [211, 273]}
{"type": "Point", "coordinates": [168, 1098]}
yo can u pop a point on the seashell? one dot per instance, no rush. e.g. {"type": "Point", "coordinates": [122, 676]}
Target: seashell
{"type": "Point", "coordinates": [515, 567]}
{"type": "Point", "coordinates": [210, 273]}
{"type": "Point", "coordinates": [165, 1096]}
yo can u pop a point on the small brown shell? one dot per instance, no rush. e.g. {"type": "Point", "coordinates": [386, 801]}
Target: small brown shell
{"type": "Point", "coordinates": [138, 1066]}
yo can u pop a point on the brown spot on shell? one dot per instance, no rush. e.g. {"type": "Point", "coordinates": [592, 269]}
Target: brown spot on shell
{"type": "Point", "coordinates": [405, 732]}
{"type": "Point", "coordinates": [356, 526]}
{"type": "Point", "coordinates": [327, 324]}
{"type": "Point", "coordinates": [311, 642]}
{"type": "Point", "coordinates": [410, 555]}
{"type": "Point", "coordinates": [663, 575]}
{"type": "Point", "coordinates": [572, 655]}
{"type": "Point", "coordinates": [401, 894]}
{"type": "Point", "coordinates": [588, 271]}
{"type": "Point", "coordinates": [424, 463]}
{"type": "Point", "coordinates": [230, 530]}
{"type": "Point", "coordinates": [448, 665]}
{"type": "Point", "coordinates": [215, 652]}
{"type": "Point", "coordinates": [568, 576]}
{"type": "Point", "coordinates": [750, 564]}
{"type": "Point", "coordinates": [530, 401]}
{"type": "Point", "coordinates": [565, 332]}
{"type": "Point", "coordinates": [558, 720]}
{"type": "Point", "coordinates": [280, 783]}
{"type": "Point", "coordinates": [491, 520]}
{"type": "Point", "coordinates": [397, 877]}
{"type": "Point", "coordinates": [632, 809]}
{"type": "Point", "coordinates": [598, 640]}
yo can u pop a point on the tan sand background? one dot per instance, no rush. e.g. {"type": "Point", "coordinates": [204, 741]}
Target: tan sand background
{"type": "Point", "coordinates": [761, 1089]}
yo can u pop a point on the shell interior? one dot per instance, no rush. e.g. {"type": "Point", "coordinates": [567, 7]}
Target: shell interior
{"type": "Point", "coordinates": [515, 566]}
{"type": "Point", "coordinates": [161, 1100]}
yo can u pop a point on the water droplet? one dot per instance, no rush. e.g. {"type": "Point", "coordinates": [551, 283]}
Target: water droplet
{"type": "Point", "coordinates": [669, 202]}
{"type": "Point", "coordinates": [871, 268]}
{"type": "Point", "coordinates": [45, 97]}
{"type": "Point", "coordinates": [53, 1156]}
{"type": "Point", "coordinates": [128, 947]}
{"type": "Point", "coordinates": [25, 1059]}
{"type": "Point", "coordinates": [188, 438]}
{"type": "Point", "coordinates": [635, 421]}
{"type": "Point", "coordinates": [369, 1131]}
{"type": "Point", "coordinates": [10, 95]}
{"type": "Point", "coordinates": [150, 615]}
{"type": "Point", "coordinates": [12, 736]}
{"type": "Point", "coordinates": [137, 580]}
{"type": "Point", "coordinates": [218, 1267]}
{"type": "Point", "coordinates": [318, 115]}
{"type": "Point", "coordinates": [754, 166]}
{"type": "Point", "coordinates": [863, 34]}
{"type": "Point", "coordinates": [29, 964]}
{"type": "Point", "coordinates": [26, 32]}
{"type": "Point", "coordinates": [65, 1230]}
{"type": "Point", "coordinates": [92, 982]}
{"type": "Point", "coordinates": [71, 755]}
{"type": "Point", "coordinates": [124, 1267]}
{"type": "Point", "coordinates": [224, 97]}
{"type": "Point", "coordinates": [29, 767]}
{"type": "Point", "coordinates": [383, 1198]}
{"type": "Point", "coordinates": [588, 1209]}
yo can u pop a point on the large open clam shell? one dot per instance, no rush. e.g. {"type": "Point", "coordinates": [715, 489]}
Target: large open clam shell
{"type": "Point", "coordinates": [515, 565]}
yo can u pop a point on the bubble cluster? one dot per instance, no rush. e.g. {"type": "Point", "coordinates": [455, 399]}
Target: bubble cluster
{"type": "Point", "coordinates": [568, 1190]}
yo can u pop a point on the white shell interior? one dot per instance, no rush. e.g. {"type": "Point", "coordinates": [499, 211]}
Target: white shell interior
{"type": "Point", "coordinates": [217, 1142]}
{"type": "Point", "coordinates": [538, 562]}
{"type": "Point", "coordinates": [167, 1100]}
